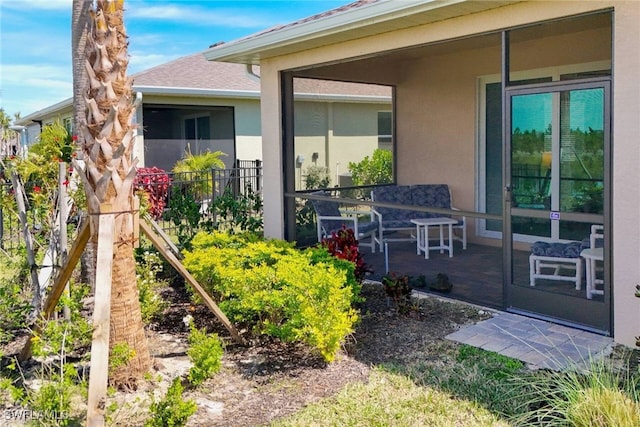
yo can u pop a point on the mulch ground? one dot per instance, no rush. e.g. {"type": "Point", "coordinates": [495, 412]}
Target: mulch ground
{"type": "Point", "coordinates": [269, 379]}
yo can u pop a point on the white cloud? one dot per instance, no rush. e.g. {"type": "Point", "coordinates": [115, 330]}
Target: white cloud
{"type": "Point", "coordinates": [28, 88]}
{"type": "Point", "coordinates": [28, 73]}
{"type": "Point", "coordinates": [139, 61]}
{"type": "Point", "coordinates": [184, 12]}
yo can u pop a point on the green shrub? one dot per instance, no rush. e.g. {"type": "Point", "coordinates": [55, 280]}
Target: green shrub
{"type": "Point", "coordinates": [15, 300]}
{"type": "Point", "coordinates": [173, 410]}
{"type": "Point", "coordinates": [10, 394]}
{"type": "Point", "coordinates": [205, 351]}
{"type": "Point", "coordinates": [148, 266]}
{"type": "Point", "coordinates": [61, 336]}
{"type": "Point", "coordinates": [197, 168]}
{"type": "Point", "coordinates": [316, 177]}
{"type": "Point", "coordinates": [241, 212]}
{"type": "Point", "coordinates": [377, 169]}
{"type": "Point", "coordinates": [184, 212]}
{"type": "Point", "coordinates": [275, 289]}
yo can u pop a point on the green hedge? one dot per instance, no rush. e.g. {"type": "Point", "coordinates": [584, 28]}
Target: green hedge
{"type": "Point", "coordinates": [276, 289]}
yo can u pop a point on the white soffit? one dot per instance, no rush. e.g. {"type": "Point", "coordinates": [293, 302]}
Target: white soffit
{"type": "Point", "coordinates": [363, 21]}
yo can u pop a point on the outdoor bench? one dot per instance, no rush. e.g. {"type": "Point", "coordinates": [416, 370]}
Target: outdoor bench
{"type": "Point", "coordinates": [391, 219]}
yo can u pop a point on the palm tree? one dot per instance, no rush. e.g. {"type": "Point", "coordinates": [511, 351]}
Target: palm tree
{"type": "Point", "coordinates": [109, 172]}
{"type": "Point", "coordinates": [79, 32]}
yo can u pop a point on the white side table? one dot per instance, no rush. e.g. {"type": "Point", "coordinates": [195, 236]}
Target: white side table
{"type": "Point", "coordinates": [422, 235]}
{"type": "Point", "coordinates": [591, 256]}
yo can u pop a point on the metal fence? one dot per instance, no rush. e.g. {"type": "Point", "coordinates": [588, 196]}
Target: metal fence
{"type": "Point", "coordinates": [203, 188]}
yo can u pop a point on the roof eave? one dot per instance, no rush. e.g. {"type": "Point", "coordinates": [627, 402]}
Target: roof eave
{"type": "Point", "coordinates": [196, 92]}
{"type": "Point", "coordinates": [296, 37]}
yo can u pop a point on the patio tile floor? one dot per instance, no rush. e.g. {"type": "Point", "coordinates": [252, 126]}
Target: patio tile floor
{"type": "Point", "coordinates": [537, 343]}
{"type": "Point", "coordinates": [477, 277]}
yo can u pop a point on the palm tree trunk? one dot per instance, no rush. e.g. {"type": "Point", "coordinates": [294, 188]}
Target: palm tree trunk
{"type": "Point", "coordinates": [79, 33]}
{"type": "Point", "coordinates": [109, 174]}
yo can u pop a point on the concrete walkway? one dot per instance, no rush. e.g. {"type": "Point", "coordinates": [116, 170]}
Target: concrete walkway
{"type": "Point", "coordinates": [538, 343]}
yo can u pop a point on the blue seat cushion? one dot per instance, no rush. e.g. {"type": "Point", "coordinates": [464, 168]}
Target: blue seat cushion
{"type": "Point", "coordinates": [559, 250]}
{"type": "Point", "coordinates": [397, 223]}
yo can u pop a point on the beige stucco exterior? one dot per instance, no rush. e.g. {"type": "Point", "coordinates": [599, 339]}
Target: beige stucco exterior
{"type": "Point", "coordinates": [437, 107]}
{"type": "Point", "coordinates": [330, 125]}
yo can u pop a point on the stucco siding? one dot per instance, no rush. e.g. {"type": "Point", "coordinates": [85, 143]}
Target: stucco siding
{"type": "Point", "coordinates": [626, 172]}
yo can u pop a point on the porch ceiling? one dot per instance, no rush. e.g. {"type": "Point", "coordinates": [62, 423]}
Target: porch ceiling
{"type": "Point", "coordinates": [375, 18]}
{"type": "Point", "coordinates": [388, 67]}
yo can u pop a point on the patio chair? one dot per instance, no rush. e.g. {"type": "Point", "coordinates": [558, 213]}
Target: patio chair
{"type": "Point", "coordinates": [591, 255]}
{"type": "Point", "coordinates": [330, 219]}
{"type": "Point", "coordinates": [558, 257]}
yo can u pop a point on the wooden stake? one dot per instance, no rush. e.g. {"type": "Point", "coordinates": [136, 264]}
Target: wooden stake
{"type": "Point", "coordinates": [99, 376]}
{"type": "Point", "coordinates": [63, 213]}
{"type": "Point", "coordinates": [28, 241]}
{"type": "Point", "coordinates": [169, 256]}
{"type": "Point", "coordinates": [160, 232]}
{"type": "Point", "coordinates": [58, 285]}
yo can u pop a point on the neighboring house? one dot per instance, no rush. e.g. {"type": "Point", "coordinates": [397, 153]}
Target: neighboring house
{"type": "Point", "coordinates": [194, 104]}
{"type": "Point", "coordinates": [559, 155]}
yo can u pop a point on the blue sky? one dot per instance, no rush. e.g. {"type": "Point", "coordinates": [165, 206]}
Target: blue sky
{"type": "Point", "coordinates": [35, 38]}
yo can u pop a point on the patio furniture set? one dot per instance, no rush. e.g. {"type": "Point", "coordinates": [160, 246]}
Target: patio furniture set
{"type": "Point", "coordinates": [386, 218]}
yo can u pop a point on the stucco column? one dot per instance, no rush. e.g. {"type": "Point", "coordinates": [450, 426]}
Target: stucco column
{"type": "Point", "coordinates": [626, 171]}
{"type": "Point", "coordinates": [272, 151]}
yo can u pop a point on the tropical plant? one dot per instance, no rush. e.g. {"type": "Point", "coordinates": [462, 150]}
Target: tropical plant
{"type": "Point", "coordinates": [197, 168]}
{"type": "Point", "coordinates": [343, 244]}
{"type": "Point", "coordinates": [36, 182]}
{"type": "Point", "coordinates": [153, 183]}
{"type": "Point", "coordinates": [397, 288]}
{"type": "Point", "coordinates": [110, 171]}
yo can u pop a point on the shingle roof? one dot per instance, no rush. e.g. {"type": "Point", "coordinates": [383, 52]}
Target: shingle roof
{"type": "Point", "coordinates": [195, 72]}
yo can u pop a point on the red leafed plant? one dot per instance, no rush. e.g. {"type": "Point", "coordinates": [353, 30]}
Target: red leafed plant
{"type": "Point", "coordinates": [344, 245]}
{"type": "Point", "coordinates": [155, 183]}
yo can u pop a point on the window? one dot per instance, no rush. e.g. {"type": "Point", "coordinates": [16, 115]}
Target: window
{"type": "Point", "coordinates": [67, 122]}
{"type": "Point", "coordinates": [197, 128]}
{"type": "Point", "coordinates": [385, 133]}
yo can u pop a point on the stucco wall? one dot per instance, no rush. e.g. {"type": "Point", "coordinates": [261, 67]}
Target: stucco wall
{"type": "Point", "coordinates": [626, 172]}
{"type": "Point", "coordinates": [437, 106]}
{"type": "Point", "coordinates": [338, 132]}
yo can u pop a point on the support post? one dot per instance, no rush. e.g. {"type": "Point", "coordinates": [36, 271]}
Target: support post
{"type": "Point", "coordinates": [99, 376]}
{"type": "Point", "coordinates": [169, 256]}
{"type": "Point", "coordinates": [28, 241]}
{"type": "Point", "coordinates": [58, 285]}
{"type": "Point", "coordinates": [63, 211]}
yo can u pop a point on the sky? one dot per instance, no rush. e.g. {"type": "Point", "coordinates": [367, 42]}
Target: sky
{"type": "Point", "coordinates": [35, 39]}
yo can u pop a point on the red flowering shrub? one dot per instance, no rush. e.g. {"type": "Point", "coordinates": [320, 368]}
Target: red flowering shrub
{"type": "Point", "coordinates": [155, 183]}
{"type": "Point", "coordinates": [344, 245]}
